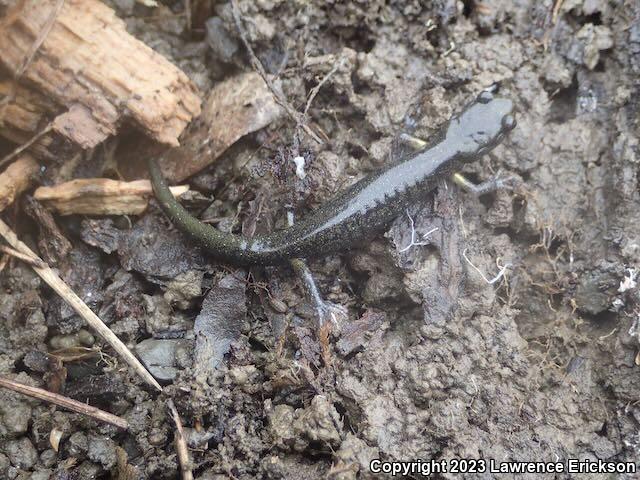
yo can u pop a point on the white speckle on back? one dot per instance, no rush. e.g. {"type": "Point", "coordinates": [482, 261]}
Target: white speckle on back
{"type": "Point", "coordinates": [299, 161]}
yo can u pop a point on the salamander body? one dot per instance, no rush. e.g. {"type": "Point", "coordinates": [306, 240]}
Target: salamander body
{"type": "Point", "coordinates": [366, 207]}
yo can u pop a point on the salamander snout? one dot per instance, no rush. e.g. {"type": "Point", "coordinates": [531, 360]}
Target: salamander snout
{"type": "Point", "coordinates": [482, 125]}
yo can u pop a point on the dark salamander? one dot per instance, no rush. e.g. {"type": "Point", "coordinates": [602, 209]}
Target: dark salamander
{"type": "Point", "coordinates": [366, 207]}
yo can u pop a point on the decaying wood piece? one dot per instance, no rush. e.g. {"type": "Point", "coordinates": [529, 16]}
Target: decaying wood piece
{"type": "Point", "coordinates": [23, 114]}
{"type": "Point", "coordinates": [100, 196]}
{"type": "Point", "coordinates": [52, 243]}
{"type": "Point", "coordinates": [17, 178]}
{"type": "Point", "coordinates": [86, 77]}
{"type": "Point", "coordinates": [234, 108]}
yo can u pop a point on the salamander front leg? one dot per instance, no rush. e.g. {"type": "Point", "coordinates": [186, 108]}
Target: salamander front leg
{"type": "Point", "coordinates": [496, 182]}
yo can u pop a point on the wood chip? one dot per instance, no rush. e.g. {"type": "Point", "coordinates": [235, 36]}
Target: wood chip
{"type": "Point", "coordinates": [90, 73]}
{"type": "Point", "coordinates": [234, 108]}
{"type": "Point", "coordinates": [53, 245]}
{"type": "Point", "coordinates": [100, 196]}
{"type": "Point", "coordinates": [17, 178]}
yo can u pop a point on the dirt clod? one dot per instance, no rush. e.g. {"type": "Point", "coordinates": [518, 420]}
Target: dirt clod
{"type": "Point", "coordinates": [504, 326]}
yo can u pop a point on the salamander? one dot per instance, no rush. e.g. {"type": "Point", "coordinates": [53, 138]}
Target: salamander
{"type": "Point", "coordinates": [367, 206]}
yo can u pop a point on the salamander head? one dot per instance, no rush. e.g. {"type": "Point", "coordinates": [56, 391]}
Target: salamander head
{"type": "Point", "coordinates": [482, 125]}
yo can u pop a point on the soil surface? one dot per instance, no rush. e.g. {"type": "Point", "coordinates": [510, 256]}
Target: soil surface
{"type": "Point", "coordinates": [428, 357]}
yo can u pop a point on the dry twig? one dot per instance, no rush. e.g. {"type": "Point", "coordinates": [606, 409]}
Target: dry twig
{"type": "Point", "coordinates": [81, 308]}
{"type": "Point", "coordinates": [18, 150]}
{"type": "Point", "coordinates": [35, 262]}
{"type": "Point", "coordinates": [181, 443]}
{"type": "Point", "coordinates": [298, 117]}
{"type": "Point", "coordinates": [187, 13]}
{"type": "Point", "coordinates": [65, 402]}
{"type": "Point", "coordinates": [312, 95]}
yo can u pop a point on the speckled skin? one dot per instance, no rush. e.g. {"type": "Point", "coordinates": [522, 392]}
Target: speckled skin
{"type": "Point", "coordinates": [366, 207]}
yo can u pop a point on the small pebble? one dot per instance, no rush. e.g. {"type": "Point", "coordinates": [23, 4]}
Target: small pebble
{"type": "Point", "coordinates": [41, 475]}
{"type": "Point", "coordinates": [102, 450]}
{"type": "Point", "coordinates": [16, 418]}
{"type": "Point", "coordinates": [222, 44]}
{"type": "Point", "coordinates": [21, 453]}
{"type": "Point", "coordinates": [157, 437]}
{"type": "Point", "coordinates": [48, 458]}
{"type": "Point", "coordinates": [77, 444]}
{"type": "Point", "coordinates": [278, 305]}
{"type": "Point", "coordinates": [161, 356]}
{"type": "Point", "coordinates": [82, 338]}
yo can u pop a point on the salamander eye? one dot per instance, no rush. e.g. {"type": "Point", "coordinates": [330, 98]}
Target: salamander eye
{"type": "Point", "coordinates": [509, 122]}
{"type": "Point", "coordinates": [485, 96]}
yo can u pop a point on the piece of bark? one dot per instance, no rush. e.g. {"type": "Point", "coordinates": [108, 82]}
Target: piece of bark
{"type": "Point", "coordinates": [24, 113]}
{"type": "Point", "coordinates": [18, 177]}
{"type": "Point", "coordinates": [219, 323]}
{"type": "Point", "coordinates": [356, 334]}
{"type": "Point", "coordinates": [87, 76]}
{"type": "Point", "coordinates": [158, 252]}
{"type": "Point", "coordinates": [53, 245]}
{"type": "Point", "coordinates": [100, 196]}
{"type": "Point", "coordinates": [234, 108]}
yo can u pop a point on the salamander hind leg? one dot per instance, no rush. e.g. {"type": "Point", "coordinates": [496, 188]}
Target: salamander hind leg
{"type": "Point", "coordinates": [326, 312]}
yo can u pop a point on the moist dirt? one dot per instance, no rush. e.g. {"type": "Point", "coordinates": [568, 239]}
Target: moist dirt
{"type": "Point", "coordinates": [509, 332]}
